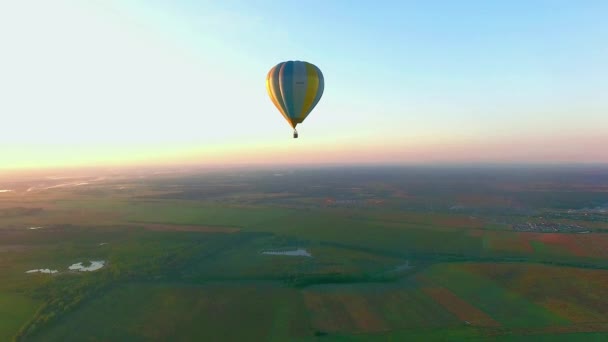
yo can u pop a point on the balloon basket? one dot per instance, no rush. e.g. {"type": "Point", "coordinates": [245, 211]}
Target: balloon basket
{"type": "Point", "coordinates": [295, 134]}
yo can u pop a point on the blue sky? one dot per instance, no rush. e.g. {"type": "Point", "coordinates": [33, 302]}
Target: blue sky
{"type": "Point", "coordinates": [400, 76]}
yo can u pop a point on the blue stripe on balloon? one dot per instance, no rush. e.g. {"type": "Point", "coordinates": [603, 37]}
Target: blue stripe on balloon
{"type": "Point", "coordinates": [286, 81]}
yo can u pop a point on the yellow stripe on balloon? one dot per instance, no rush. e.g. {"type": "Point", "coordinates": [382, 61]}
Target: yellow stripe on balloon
{"type": "Point", "coordinates": [312, 86]}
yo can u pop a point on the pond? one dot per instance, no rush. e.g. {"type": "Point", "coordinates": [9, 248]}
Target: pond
{"type": "Point", "coordinates": [295, 252]}
{"type": "Point", "coordinates": [95, 265]}
{"type": "Point", "coordinates": [42, 270]}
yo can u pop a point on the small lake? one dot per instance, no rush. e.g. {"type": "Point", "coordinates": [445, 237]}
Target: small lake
{"type": "Point", "coordinates": [42, 270]}
{"type": "Point", "coordinates": [295, 252]}
{"type": "Point", "coordinates": [400, 268]}
{"type": "Point", "coordinates": [403, 267]}
{"type": "Point", "coordinates": [95, 265]}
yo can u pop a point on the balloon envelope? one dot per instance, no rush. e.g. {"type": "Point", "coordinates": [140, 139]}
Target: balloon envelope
{"type": "Point", "coordinates": [295, 88]}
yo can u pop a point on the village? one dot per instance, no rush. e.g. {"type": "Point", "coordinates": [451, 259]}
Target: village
{"type": "Point", "coordinates": [549, 227]}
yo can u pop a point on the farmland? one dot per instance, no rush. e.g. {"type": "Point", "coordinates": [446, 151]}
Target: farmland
{"type": "Point", "coordinates": [395, 253]}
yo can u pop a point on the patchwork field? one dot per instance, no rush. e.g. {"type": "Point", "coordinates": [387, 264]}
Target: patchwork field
{"type": "Point", "coordinates": [183, 258]}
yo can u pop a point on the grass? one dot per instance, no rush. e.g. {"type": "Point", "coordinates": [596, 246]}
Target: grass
{"type": "Point", "coordinates": [181, 312]}
{"type": "Point", "coordinates": [506, 307]}
{"type": "Point", "coordinates": [579, 295]}
{"type": "Point", "coordinates": [15, 310]}
{"type": "Point", "coordinates": [182, 285]}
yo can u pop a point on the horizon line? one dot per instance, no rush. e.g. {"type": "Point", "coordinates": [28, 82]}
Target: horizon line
{"type": "Point", "coordinates": [306, 165]}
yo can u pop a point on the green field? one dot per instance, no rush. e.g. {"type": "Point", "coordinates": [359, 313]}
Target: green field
{"type": "Point", "coordinates": [184, 260]}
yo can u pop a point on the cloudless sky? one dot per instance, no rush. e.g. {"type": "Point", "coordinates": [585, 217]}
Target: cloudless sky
{"type": "Point", "coordinates": [125, 81]}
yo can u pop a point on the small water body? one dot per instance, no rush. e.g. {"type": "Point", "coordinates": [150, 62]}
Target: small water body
{"type": "Point", "coordinates": [295, 252]}
{"type": "Point", "coordinates": [403, 267]}
{"type": "Point", "coordinates": [34, 228]}
{"type": "Point", "coordinates": [6, 190]}
{"type": "Point", "coordinates": [42, 270]}
{"type": "Point", "coordinates": [95, 265]}
{"type": "Point", "coordinates": [66, 185]}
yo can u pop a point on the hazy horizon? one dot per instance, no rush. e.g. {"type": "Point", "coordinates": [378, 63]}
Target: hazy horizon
{"type": "Point", "coordinates": [11, 175]}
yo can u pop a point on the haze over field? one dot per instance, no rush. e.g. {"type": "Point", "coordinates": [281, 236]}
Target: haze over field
{"type": "Point", "coordinates": [181, 82]}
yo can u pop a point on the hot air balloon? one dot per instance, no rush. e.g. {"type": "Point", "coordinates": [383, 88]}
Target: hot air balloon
{"type": "Point", "coordinates": [295, 88]}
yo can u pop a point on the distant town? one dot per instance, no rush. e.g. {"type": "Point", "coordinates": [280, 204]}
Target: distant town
{"type": "Point", "coordinates": [549, 227]}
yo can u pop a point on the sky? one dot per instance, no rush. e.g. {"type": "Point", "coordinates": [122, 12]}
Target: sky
{"type": "Point", "coordinates": [128, 82]}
